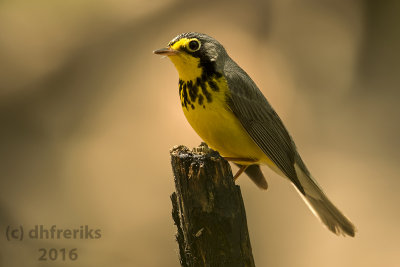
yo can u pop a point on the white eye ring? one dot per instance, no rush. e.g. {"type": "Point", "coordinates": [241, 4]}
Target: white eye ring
{"type": "Point", "coordinates": [194, 45]}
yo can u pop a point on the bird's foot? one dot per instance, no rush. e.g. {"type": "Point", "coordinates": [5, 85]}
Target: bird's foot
{"type": "Point", "coordinates": [203, 148]}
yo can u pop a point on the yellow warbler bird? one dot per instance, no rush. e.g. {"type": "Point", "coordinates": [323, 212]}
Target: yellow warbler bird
{"type": "Point", "coordinates": [228, 111]}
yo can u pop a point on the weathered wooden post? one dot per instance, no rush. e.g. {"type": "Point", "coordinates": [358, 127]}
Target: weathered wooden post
{"type": "Point", "coordinates": [208, 210]}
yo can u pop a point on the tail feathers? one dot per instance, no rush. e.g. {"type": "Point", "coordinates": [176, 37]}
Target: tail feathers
{"type": "Point", "coordinates": [322, 207]}
{"type": "Point", "coordinates": [255, 174]}
{"type": "Point", "coordinates": [331, 216]}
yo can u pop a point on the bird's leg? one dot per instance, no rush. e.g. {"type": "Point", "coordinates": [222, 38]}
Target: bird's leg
{"type": "Point", "coordinates": [240, 171]}
{"type": "Point", "coordinates": [243, 167]}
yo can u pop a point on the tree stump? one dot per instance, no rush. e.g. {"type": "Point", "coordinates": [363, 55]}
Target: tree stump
{"type": "Point", "coordinates": [208, 210]}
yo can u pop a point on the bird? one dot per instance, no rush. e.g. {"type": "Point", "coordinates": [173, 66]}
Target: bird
{"type": "Point", "coordinates": [229, 112]}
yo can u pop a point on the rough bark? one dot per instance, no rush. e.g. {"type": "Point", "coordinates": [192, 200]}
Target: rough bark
{"type": "Point", "coordinates": [208, 210]}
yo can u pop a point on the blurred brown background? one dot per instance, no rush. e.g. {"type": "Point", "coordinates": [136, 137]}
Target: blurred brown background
{"type": "Point", "coordinates": [88, 115]}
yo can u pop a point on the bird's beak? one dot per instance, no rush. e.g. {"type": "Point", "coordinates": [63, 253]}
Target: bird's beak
{"type": "Point", "coordinates": [167, 51]}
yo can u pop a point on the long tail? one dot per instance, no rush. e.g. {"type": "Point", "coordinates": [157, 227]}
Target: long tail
{"type": "Point", "coordinates": [322, 207]}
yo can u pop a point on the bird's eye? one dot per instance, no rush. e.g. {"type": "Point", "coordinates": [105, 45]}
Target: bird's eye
{"type": "Point", "coordinates": [194, 45]}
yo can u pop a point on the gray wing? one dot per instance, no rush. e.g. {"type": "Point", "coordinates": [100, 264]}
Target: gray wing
{"type": "Point", "coordinates": [261, 121]}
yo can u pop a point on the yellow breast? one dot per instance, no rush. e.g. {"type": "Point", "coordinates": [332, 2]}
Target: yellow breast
{"type": "Point", "coordinates": [205, 107]}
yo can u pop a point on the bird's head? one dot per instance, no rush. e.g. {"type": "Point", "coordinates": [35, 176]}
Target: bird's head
{"type": "Point", "coordinates": [194, 54]}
